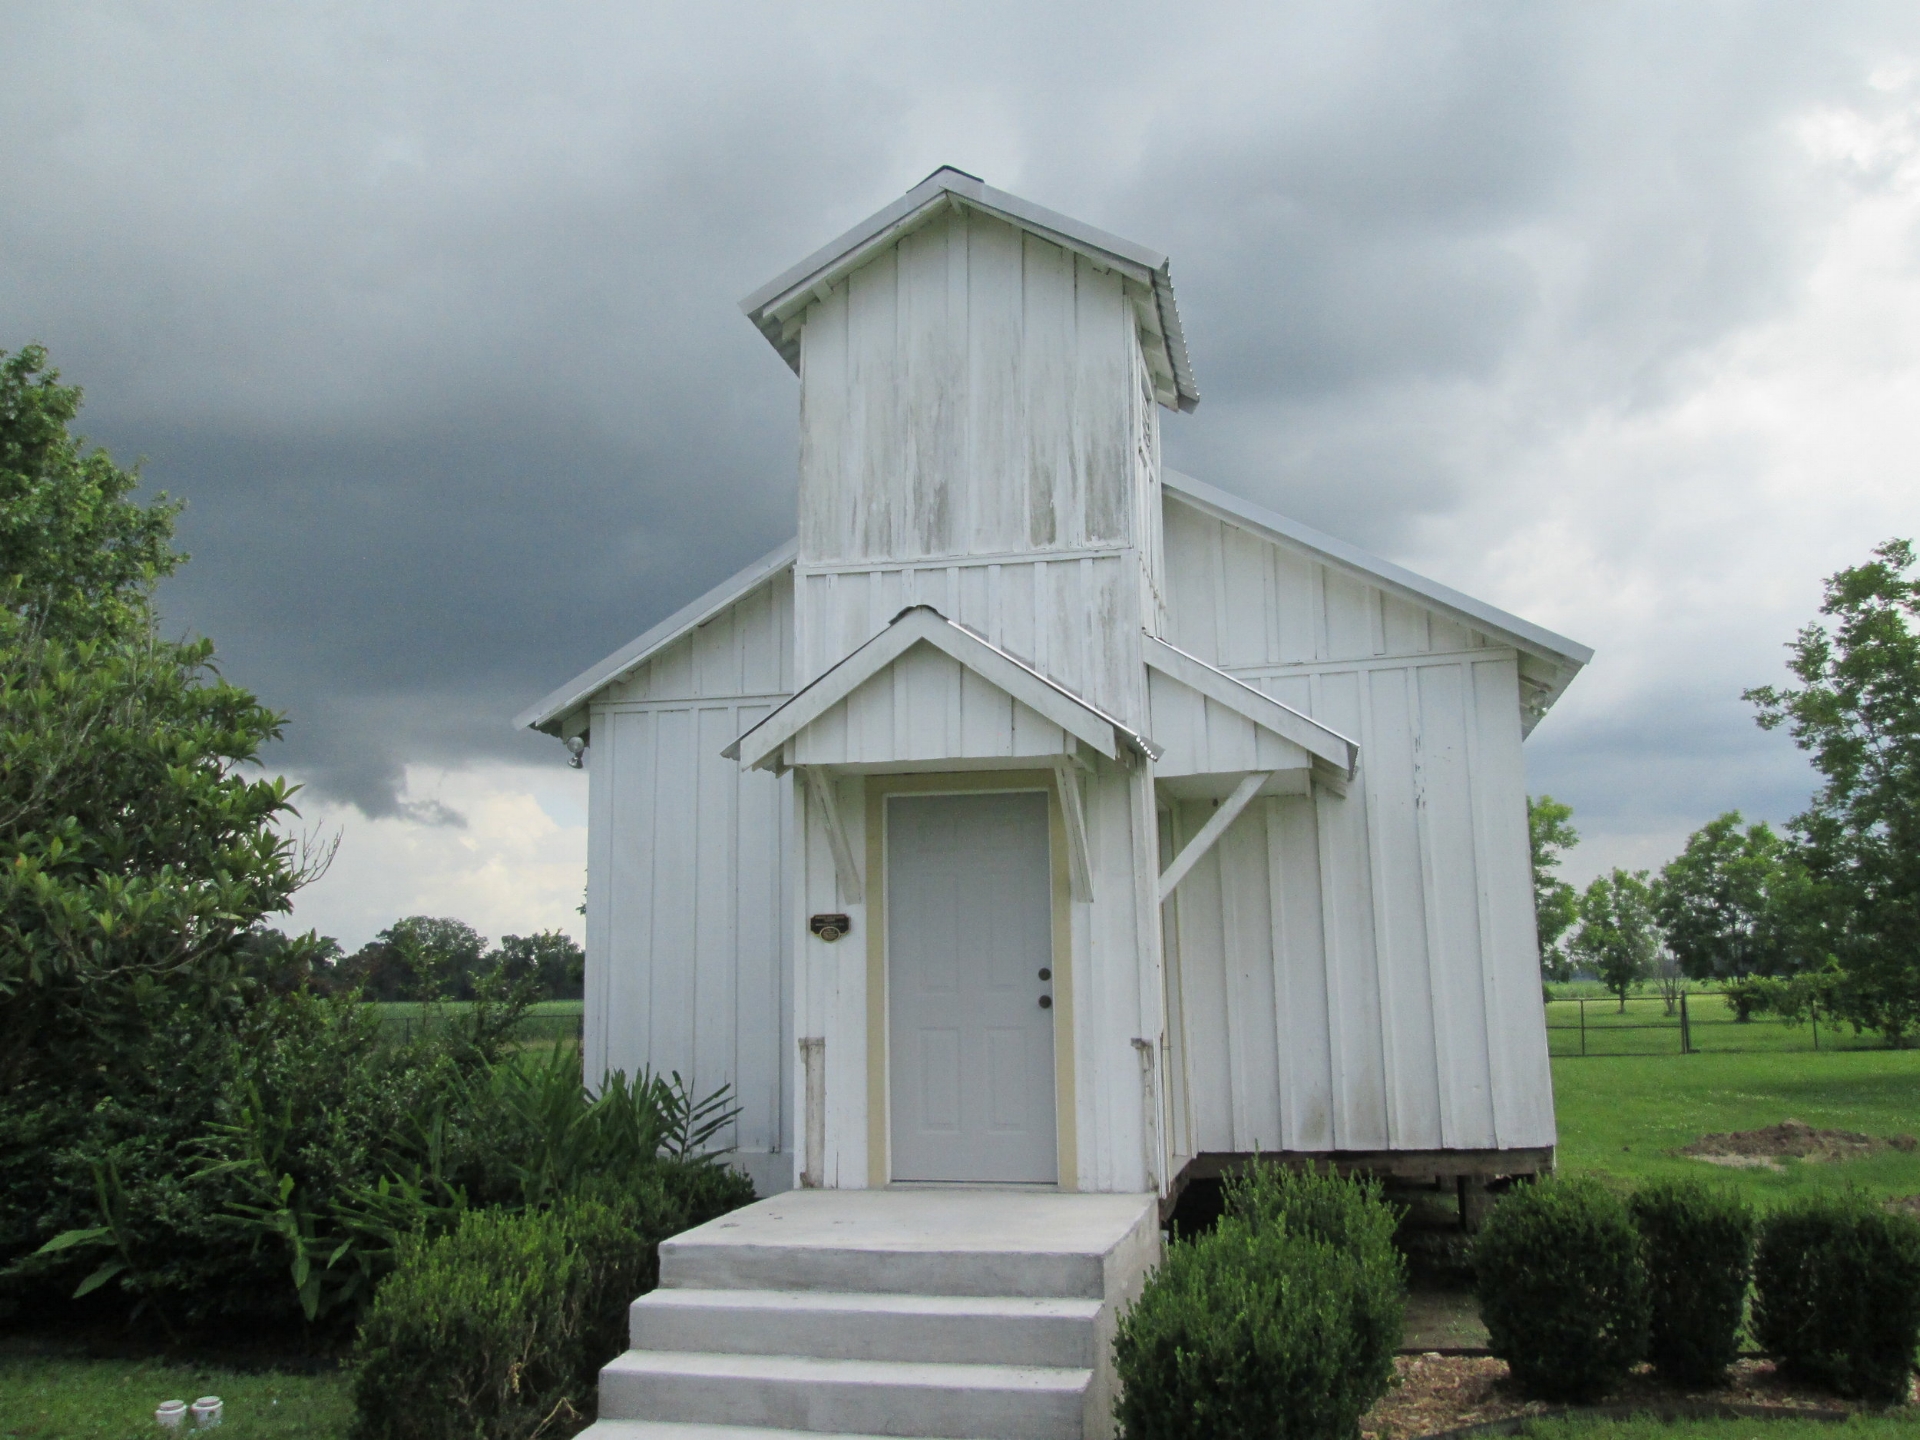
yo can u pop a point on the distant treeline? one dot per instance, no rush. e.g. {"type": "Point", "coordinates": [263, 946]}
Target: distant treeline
{"type": "Point", "coordinates": [424, 957]}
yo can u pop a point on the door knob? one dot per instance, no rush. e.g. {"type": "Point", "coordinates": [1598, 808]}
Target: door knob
{"type": "Point", "coordinates": [1046, 1002]}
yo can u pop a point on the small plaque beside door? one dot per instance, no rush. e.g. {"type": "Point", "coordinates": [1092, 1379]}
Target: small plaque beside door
{"type": "Point", "coordinates": [830, 927]}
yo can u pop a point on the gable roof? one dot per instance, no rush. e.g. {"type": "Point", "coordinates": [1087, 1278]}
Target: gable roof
{"type": "Point", "coordinates": [1320, 741]}
{"type": "Point", "coordinates": [1563, 657]}
{"type": "Point", "coordinates": [922, 624]}
{"type": "Point", "coordinates": [547, 712]}
{"type": "Point", "coordinates": [787, 295]}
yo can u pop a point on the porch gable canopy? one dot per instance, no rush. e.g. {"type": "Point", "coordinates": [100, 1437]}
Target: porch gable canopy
{"type": "Point", "coordinates": [962, 696]}
{"type": "Point", "coordinates": [1211, 722]}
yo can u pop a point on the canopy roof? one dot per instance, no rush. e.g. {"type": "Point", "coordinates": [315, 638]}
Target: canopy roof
{"type": "Point", "coordinates": [922, 624]}
{"type": "Point", "coordinates": [777, 307]}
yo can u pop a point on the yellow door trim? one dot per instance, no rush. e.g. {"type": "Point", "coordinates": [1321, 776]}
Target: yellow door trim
{"type": "Point", "coordinates": [879, 1101]}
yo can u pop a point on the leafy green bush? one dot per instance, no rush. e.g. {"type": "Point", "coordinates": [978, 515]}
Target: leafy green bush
{"type": "Point", "coordinates": [1354, 1218]}
{"type": "Point", "coordinates": [1752, 995]}
{"type": "Point", "coordinates": [1699, 1253]}
{"type": "Point", "coordinates": [207, 1167]}
{"type": "Point", "coordinates": [1837, 1294]}
{"type": "Point", "coordinates": [500, 1326]}
{"type": "Point", "coordinates": [1563, 1288]}
{"type": "Point", "coordinates": [474, 1334]}
{"type": "Point", "coordinates": [1280, 1321]}
{"type": "Point", "coordinates": [264, 1169]}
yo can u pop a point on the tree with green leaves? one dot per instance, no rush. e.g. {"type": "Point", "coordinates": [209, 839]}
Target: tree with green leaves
{"type": "Point", "coordinates": [1857, 715]}
{"type": "Point", "coordinates": [421, 957]}
{"type": "Point", "coordinates": [1556, 904]}
{"type": "Point", "coordinates": [1721, 898]}
{"type": "Point", "coordinates": [1619, 936]}
{"type": "Point", "coordinates": [553, 960]}
{"type": "Point", "coordinates": [135, 850]}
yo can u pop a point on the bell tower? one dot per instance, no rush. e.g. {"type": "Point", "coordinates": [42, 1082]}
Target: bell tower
{"type": "Point", "coordinates": [979, 387]}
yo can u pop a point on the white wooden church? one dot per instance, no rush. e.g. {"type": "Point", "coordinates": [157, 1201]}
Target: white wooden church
{"type": "Point", "coordinates": [1043, 817]}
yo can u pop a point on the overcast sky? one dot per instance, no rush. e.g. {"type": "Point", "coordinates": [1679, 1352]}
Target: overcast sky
{"type": "Point", "coordinates": [1608, 313]}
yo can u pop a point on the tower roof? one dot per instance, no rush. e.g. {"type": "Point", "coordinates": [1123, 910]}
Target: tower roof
{"type": "Point", "coordinates": [778, 307]}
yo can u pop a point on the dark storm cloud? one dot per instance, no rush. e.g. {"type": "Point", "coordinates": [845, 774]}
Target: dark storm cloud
{"type": "Point", "coordinates": [429, 312]}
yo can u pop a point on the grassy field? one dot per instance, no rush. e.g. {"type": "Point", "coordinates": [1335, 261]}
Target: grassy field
{"type": "Point", "coordinates": [55, 1399]}
{"type": "Point", "coordinates": [1620, 1117]}
{"type": "Point", "coordinates": [1645, 1028]}
{"type": "Point", "coordinates": [548, 1021]}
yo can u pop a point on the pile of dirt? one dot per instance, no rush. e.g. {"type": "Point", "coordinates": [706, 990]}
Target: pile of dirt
{"type": "Point", "coordinates": [1790, 1139]}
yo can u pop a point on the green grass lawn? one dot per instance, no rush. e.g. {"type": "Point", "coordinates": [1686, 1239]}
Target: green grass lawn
{"type": "Point", "coordinates": [58, 1399]}
{"type": "Point", "coordinates": [1620, 1117]}
{"type": "Point", "coordinates": [1900, 1425]}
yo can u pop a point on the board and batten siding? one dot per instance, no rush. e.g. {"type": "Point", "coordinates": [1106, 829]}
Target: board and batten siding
{"type": "Point", "coordinates": [1360, 972]}
{"type": "Point", "coordinates": [976, 435]}
{"type": "Point", "coordinates": [689, 889]}
{"type": "Point", "coordinates": [926, 706]}
{"type": "Point", "coordinates": [1074, 618]}
{"type": "Point", "coordinates": [967, 391]}
{"type": "Point", "coordinates": [1236, 599]}
{"type": "Point", "coordinates": [746, 649]}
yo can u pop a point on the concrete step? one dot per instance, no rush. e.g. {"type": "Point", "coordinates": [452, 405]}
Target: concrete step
{"type": "Point", "coordinates": [846, 1397]}
{"type": "Point", "coordinates": [926, 1243]}
{"type": "Point", "coordinates": [948, 1329]}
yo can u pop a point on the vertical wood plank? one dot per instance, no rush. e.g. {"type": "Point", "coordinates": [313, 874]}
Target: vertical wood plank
{"type": "Point", "coordinates": [1457, 943]}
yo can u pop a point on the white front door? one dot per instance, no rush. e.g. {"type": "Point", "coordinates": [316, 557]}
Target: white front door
{"type": "Point", "coordinates": [969, 987]}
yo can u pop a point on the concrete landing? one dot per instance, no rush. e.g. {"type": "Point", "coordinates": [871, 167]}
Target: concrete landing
{"type": "Point", "coordinates": [925, 1312]}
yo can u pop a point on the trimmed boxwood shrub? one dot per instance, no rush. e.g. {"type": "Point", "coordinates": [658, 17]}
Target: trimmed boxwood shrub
{"type": "Point", "coordinates": [1837, 1294]}
{"type": "Point", "coordinates": [474, 1334]}
{"type": "Point", "coordinates": [1353, 1216]}
{"type": "Point", "coordinates": [499, 1328]}
{"type": "Point", "coordinates": [1563, 1288]}
{"type": "Point", "coordinates": [1698, 1244]}
{"type": "Point", "coordinates": [1280, 1323]}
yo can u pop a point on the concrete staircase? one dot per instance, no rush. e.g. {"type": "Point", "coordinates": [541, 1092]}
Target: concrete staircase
{"type": "Point", "coordinates": [924, 1312]}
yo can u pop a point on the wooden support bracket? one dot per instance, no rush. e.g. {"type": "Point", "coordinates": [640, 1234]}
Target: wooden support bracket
{"type": "Point", "coordinates": [1215, 827]}
{"type": "Point", "coordinates": [1073, 809]}
{"type": "Point", "coordinates": [820, 791]}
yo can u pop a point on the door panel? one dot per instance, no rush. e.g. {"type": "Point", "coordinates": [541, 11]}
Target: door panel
{"type": "Point", "coordinates": [969, 929]}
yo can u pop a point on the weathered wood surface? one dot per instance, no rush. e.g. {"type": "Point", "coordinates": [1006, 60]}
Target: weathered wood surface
{"type": "Point", "coordinates": [1360, 973]}
{"type": "Point", "coordinates": [1238, 601]}
{"type": "Point", "coordinates": [969, 391]}
{"type": "Point", "coordinates": [1075, 619]}
{"type": "Point", "coordinates": [927, 706]}
{"type": "Point", "coordinates": [747, 649]}
{"type": "Point", "coordinates": [689, 889]}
